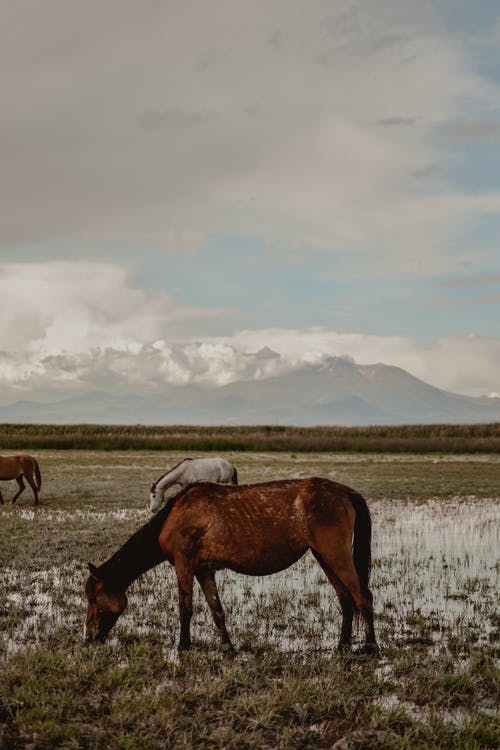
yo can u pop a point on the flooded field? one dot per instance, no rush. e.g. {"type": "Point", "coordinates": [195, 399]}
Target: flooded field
{"type": "Point", "coordinates": [435, 582]}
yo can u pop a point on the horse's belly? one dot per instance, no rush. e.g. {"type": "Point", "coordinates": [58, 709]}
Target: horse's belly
{"type": "Point", "coordinates": [263, 562]}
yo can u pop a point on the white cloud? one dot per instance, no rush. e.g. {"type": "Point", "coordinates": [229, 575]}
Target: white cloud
{"type": "Point", "coordinates": [66, 307]}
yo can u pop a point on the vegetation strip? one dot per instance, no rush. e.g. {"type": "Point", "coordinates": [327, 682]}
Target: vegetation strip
{"type": "Point", "coordinates": [476, 438]}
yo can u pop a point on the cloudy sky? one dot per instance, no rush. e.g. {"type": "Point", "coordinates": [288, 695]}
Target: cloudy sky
{"type": "Point", "coordinates": [185, 183]}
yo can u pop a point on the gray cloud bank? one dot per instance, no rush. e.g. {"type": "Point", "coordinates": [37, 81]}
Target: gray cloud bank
{"type": "Point", "coordinates": [310, 124]}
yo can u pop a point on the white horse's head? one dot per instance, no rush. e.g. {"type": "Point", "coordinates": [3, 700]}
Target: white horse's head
{"type": "Point", "coordinates": [155, 498]}
{"type": "Point", "coordinates": [159, 495]}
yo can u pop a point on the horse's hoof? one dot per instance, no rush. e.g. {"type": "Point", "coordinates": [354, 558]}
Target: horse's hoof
{"type": "Point", "coordinates": [228, 649]}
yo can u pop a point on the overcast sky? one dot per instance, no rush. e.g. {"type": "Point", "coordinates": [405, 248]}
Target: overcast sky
{"type": "Point", "coordinates": [184, 183]}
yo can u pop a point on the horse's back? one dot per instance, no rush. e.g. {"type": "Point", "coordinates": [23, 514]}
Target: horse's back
{"type": "Point", "coordinates": [257, 528]}
{"type": "Point", "coordinates": [266, 493]}
{"type": "Point", "coordinates": [209, 469]}
{"type": "Point", "coordinates": [247, 528]}
{"type": "Point", "coordinates": [283, 504]}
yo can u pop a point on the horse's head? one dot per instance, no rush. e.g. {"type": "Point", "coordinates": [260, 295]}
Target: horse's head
{"type": "Point", "coordinates": [155, 498]}
{"type": "Point", "coordinates": [103, 607]}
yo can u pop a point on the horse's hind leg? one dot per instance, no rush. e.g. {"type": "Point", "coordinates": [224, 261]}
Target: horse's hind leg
{"type": "Point", "coordinates": [339, 566]}
{"type": "Point", "coordinates": [363, 600]}
{"type": "Point", "coordinates": [22, 487]}
{"type": "Point", "coordinates": [346, 604]}
{"type": "Point", "coordinates": [1, 498]}
{"type": "Point", "coordinates": [206, 579]}
{"type": "Point", "coordinates": [33, 487]}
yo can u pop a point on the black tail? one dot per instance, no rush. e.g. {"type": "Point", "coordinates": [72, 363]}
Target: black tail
{"type": "Point", "coordinates": [234, 478]}
{"type": "Point", "coordinates": [38, 475]}
{"type": "Point", "coordinates": [362, 543]}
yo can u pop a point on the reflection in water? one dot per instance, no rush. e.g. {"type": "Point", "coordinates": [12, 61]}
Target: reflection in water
{"type": "Point", "coordinates": [437, 566]}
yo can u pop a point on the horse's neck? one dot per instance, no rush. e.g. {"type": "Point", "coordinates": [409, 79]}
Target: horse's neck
{"type": "Point", "coordinates": [171, 476]}
{"type": "Point", "coordinates": [139, 554]}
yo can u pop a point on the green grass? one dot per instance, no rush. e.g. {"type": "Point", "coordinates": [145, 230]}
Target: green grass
{"type": "Point", "coordinates": [435, 685]}
{"type": "Point", "coordinates": [130, 697]}
{"type": "Point", "coordinates": [482, 438]}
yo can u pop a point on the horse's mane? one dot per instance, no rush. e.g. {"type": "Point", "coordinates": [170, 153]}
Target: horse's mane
{"type": "Point", "coordinates": [139, 553]}
{"type": "Point", "coordinates": [172, 469]}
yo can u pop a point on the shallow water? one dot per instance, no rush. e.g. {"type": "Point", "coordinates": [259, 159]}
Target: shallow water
{"type": "Point", "coordinates": [437, 567]}
{"type": "Point", "coordinates": [80, 514]}
{"type": "Point", "coordinates": [435, 576]}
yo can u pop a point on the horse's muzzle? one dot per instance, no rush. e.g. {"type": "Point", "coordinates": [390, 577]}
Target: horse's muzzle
{"type": "Point", "coordinates": [99, 632]}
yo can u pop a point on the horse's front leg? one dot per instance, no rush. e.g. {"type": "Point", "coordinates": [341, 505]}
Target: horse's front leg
{"type": "Point", "coordinates": [185, 578]}
{"type": "Point", "coordinates": [206, 579]}
{"type": "Point", "coordinates": [22, 487]}
{"type": "Point", "coordinates": [1, 498]}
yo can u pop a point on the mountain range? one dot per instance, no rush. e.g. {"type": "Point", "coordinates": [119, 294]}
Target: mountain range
{"type": "Point", "coordinates": [336, 392]}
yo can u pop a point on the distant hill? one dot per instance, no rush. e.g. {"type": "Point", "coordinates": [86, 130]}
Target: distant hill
{"type": "Point", "coordinates": [336, 392]}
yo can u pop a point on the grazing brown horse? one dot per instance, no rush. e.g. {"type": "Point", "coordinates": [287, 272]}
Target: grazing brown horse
{"type": "Point", "coordinates": [19, 468]}
{"type": "Point", "coordinates": [257, 529]}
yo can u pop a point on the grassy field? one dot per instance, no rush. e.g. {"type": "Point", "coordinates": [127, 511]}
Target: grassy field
{"type": "Point", "coordinates": [478, 438]}
{"type": "Point", "coordinates": [435, 583]}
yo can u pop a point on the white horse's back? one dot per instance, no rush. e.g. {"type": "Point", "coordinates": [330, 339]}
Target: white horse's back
{"type": "Point", "coordinates": [186, 472]}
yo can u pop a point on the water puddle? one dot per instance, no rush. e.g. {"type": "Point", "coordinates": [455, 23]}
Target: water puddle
{"type": "Point", "coordinates": [436, 568]}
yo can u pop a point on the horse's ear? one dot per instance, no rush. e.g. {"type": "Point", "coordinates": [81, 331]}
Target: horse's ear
{"type": "Point", "coordinates": [93, 571]}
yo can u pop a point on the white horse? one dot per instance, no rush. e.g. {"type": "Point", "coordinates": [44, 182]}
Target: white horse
{"type": "Point", "coordinates": [186, 472]}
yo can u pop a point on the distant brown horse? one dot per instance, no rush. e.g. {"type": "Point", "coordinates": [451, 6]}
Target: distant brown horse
{"type": "Point", "coordinates": [257, 529]}
{"type": "Point", "coordinates": [19, 468]}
